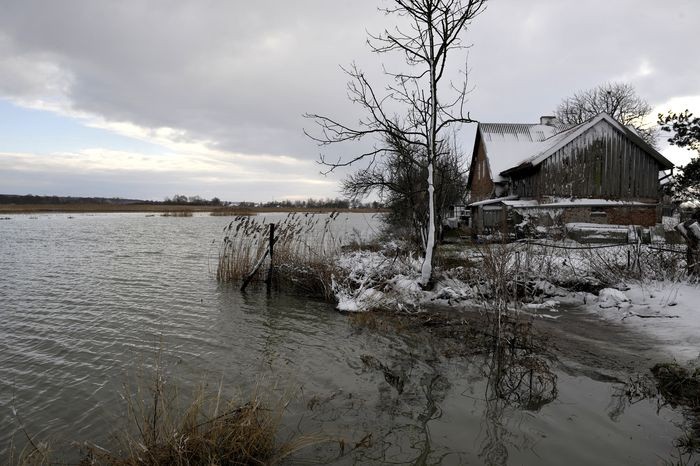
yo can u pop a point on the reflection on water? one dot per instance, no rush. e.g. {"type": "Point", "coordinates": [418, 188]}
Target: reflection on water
{"type": "Point", "coordinates": [517, 377]}
{"type": "Point", "coordinates": [84, 301]}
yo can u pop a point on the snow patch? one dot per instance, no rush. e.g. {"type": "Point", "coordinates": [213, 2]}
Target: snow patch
{"type": "Point", "coordinates": [610, 297]}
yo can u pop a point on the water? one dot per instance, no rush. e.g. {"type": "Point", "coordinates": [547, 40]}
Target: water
{"type": "Point", "coordinates": [85, 301]}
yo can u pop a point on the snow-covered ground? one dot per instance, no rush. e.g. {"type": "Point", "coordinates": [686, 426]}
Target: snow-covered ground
{"type": "Point", "coordinates": [666, 311]}
{"type": "Point", "coordinates": [654, 299]}
{"type": "Point", "coordinates": [389, 280]}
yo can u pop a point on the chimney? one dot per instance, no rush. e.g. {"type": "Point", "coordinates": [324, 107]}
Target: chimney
{"type": "Point", "coordinates": [548, 120]}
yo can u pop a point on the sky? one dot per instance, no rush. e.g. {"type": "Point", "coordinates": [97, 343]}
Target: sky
{"type": "Point", "coordinates": [149, 99]}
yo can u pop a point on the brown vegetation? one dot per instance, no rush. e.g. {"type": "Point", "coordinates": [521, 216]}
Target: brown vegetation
{"type": "Point", "coordinates": [106, 208]}
{"type": "Point", "coordinates": [304, 251]}
{"type": "Point", "coordinates": [163, 428]}
{"type": "Point", "coordinates": [177, 213]}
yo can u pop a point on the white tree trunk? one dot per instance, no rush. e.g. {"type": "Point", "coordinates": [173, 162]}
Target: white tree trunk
{"type": "Point", "coordinates": [427, 268]}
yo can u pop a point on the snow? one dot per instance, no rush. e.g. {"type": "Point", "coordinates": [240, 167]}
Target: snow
{"type": "Point", "coordinates": [594, 226]}
{"type": "Point", "coordinates": [661, 306]}
{"type": "Point", "coordinates": [522, 203]}
{"type": "Point", "coordinates": [610, 297]}
{"type": "Point", "coordinates": [691, 204]}
{"type": "Point", "coordinates": [507, 145]}
{"type": "Point", "coordinates": [557, 203]}
{"type": "Point", "coordinates": [587, 202]}
{"type": "Point", "coordinates": [550, 304]}
{"type": "Point", "coordinates": [511, 145]}
{"type": "Point", "coordinates": [666, 311]}
{"type": "Point", "coordinates": [493, 201]}
{"type": "Point", "coordinates": [669, 223]}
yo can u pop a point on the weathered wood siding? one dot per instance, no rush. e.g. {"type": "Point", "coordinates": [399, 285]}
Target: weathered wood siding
{"type": "Point", "coordinates": [602, 163]}
{"type": "Point", "coordinates": [481, 185]}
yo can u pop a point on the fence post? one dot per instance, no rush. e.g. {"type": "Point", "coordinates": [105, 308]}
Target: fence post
{"type": "Point", "coordinates": [628, 259]}
{"type": "Point", "coordinates": [272, 244]}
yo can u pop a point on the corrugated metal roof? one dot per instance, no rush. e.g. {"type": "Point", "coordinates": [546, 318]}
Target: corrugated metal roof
{"type": "Point", "coordinates": [508, 144]}
{"type": "Point", "coordinates": [555, 143]}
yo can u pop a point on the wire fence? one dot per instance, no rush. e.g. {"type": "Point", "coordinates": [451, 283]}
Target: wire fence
{"type": "Point", "coordinates": [681, 250]}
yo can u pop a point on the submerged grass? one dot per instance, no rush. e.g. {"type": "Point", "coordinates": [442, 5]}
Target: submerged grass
{"type": "Point", "coordinates": [163, 427]}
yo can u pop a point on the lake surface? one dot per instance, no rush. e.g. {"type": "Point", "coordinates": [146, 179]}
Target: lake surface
{"type": "Point", "coordinates": [85, 301]}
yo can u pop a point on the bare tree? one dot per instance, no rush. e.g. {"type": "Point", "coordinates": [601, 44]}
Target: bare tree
{"type": "Point", "coordinates": [432, 31]}
{"type": "Point", "coordinates": [399, 180]}
{"type": "Point", "coordinates": [619, 100]}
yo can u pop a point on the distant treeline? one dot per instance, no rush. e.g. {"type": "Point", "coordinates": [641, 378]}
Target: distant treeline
{"type": "Point", "coordinates": [179, 199]}
{"type": "Point", "coordinates": [31, 199]}
{"type": "Point", "coordinates": [326, 203]}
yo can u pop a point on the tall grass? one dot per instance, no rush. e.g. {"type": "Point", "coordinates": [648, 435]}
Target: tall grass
{"type": "Point", "coordinates": [164, 427]}
{"type": "Point", "coordinates": [231, 212]}
{"type": "Point", "coordinates": [177, 213]}
{"type": "Point", "coordinates": [304, 250]}
{"type": "Point", "coordinates": [202, 430]}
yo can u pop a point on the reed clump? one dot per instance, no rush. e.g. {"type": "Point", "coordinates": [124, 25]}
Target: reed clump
{"type": "Point", "coordinates": [206, 430]}
{"type": "Point", "coordinates": [163, 428]}
{"type": "Point", "coordinates": [177, 213]}
{"type": "Point", "coordinates": [305, 249]}
{"type": "Point", "coordinates": [231, 212]}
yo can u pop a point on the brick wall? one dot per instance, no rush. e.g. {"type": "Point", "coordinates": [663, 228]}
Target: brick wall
{"type": "Point", "coordinates": [628, 215]}
{"type": "Point", "coordinates": [644, 216]}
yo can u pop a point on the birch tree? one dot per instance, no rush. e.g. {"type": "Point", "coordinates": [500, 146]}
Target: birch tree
{"type": "Point", "coordinates": [429, 103]}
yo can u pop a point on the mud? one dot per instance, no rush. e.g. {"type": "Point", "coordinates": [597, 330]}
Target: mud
{"type": "Point", "coordinates": [577, 341]}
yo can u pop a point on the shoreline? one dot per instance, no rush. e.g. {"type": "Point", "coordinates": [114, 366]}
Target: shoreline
{"type": "Point", "coordinates": [89, 208]}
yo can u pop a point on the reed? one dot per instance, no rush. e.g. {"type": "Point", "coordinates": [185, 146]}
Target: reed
{"type": "Point", "coordinates": [162, 427]}
{"type": "Point", "coordinates": [231, 212]}
{"type": "Point", "coordinates": [177, 213]}
{"type": "Point", "coordinates": [304, 251]}
{"type": "Point", "coordinates": [202, 431]}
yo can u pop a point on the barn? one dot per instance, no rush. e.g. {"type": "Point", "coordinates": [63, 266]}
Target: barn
{"type": "Point", "coordinates": [546, 173]}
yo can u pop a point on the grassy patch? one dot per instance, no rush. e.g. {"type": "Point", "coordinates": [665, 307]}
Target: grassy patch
{"type": "Point", "coordinates": [164, 425]}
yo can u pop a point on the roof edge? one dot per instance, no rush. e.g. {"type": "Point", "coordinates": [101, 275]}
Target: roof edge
{"type": "Point", "coordinates": [577, 131]}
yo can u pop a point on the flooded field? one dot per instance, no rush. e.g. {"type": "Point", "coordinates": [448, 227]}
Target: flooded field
{"type": "Point", "coordinates": [86, 300]}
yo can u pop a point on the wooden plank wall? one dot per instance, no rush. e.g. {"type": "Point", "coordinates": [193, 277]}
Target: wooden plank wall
{"type": "Point", "coordinates": [602, 163]}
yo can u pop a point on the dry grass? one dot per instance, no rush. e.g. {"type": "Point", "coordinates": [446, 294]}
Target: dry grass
{"type": "Point", "coordinates": [304, 251]}
{"type": "Point", "coordinates": [90, 207]}
{"type": "Point", "coordinates": [163, 427]}
{"type": "Point", "coordinates": [178, 213]}
{"type": "Point", "coordinates": [95, 207]}
{"type": "Point", "coordinates": [231, 212]}
{"type": "Point", "coordinates": [206, 430]}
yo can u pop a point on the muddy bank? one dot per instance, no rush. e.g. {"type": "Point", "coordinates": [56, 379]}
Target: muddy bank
{"type": "Point", "coordinates": [577, 341]}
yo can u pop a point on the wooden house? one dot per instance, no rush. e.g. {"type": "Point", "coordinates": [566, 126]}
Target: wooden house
{"type": "Point", "coordinates": [597, 172]}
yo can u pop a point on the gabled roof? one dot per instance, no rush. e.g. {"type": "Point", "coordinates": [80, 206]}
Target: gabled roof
{"type": "Point", "coordinates": [549, 146]}
{"type": "Point", "coordinates": [508, 144]}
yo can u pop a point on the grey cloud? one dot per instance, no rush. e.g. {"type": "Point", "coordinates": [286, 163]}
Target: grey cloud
{"type": "Point", "coordinates": [527, 55]}
{"type": "Point", "coordinates": [241, 74]}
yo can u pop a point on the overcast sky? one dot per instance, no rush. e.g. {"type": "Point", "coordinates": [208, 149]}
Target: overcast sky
{"type": "Point", "coordinates": [146, 99]}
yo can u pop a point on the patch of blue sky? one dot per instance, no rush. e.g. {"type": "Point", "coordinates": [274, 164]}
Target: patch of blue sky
{"type": "Point", "coordinates": [44, 132]}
